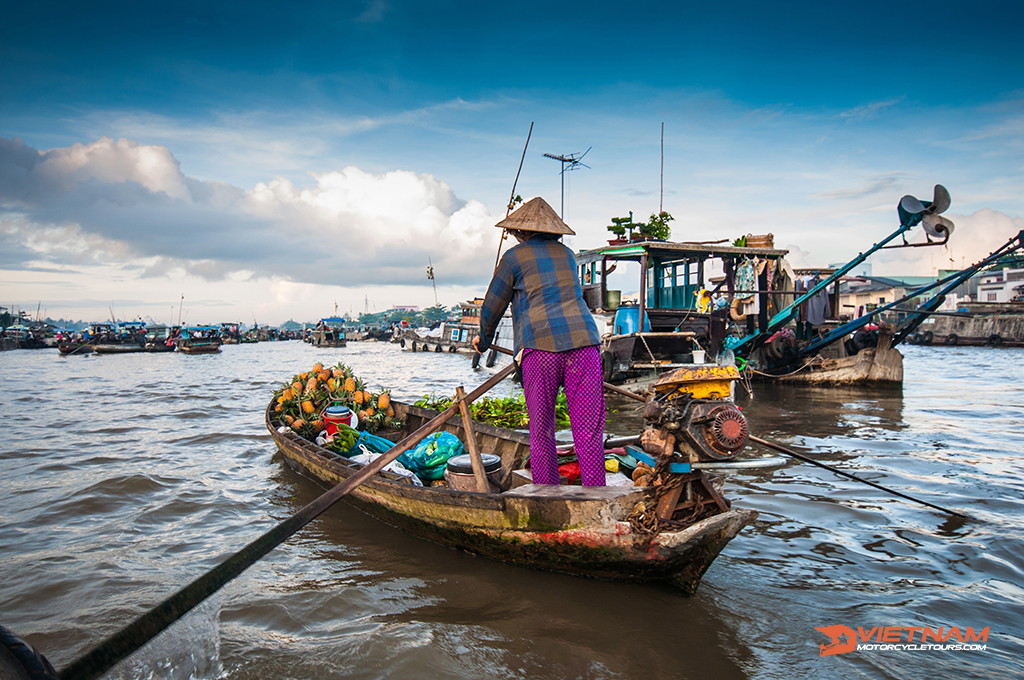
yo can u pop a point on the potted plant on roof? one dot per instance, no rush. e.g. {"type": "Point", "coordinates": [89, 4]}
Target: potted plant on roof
{"type": "Point", "coordinates": [618, 228]}
{"type": "Point", "coordinates": [657, 229]}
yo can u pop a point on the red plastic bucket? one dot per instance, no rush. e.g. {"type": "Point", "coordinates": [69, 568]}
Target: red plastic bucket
{"type": "Point", "coordinates": [337, 415]}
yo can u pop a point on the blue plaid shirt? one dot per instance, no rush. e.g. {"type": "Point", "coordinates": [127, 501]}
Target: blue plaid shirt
{"type": "Point", "coordinates": [539, 278]}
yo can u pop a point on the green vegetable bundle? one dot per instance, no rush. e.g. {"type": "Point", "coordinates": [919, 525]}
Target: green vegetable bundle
{"type": "Point", "coordinates": [344, 440]}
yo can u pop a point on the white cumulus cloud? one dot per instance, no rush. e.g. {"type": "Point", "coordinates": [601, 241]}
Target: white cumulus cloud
{"type": "Point", "coordinates": [124, 203]}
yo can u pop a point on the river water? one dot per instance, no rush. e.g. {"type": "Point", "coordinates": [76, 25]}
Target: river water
{"type": "Point", "coordinates": [125, 477]}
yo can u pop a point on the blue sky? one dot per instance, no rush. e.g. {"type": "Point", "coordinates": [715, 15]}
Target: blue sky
{"type": "Point", "coordinates": [268, 160]}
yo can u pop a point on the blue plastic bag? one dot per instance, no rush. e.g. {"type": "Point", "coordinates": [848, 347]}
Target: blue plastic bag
{"type": "Point", "coordinates": [429, 458]}
{"type": "Point", "coordinates": [372, 442]}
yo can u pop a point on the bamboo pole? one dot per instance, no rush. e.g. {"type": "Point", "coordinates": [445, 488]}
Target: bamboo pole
{"type": "Point", "coordinates": [479, 475]}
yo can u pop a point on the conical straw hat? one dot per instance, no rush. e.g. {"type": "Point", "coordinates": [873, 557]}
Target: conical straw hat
{"type": "Point", "coordinates": [536, 215]}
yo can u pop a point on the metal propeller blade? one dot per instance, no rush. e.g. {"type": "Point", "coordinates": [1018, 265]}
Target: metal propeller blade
{"type": "Point", "coordinates": [937, 226]}
{"type": "Point", "coordinates": [912, 205]}
{"type": "Point", "coordinates": [940, 203]}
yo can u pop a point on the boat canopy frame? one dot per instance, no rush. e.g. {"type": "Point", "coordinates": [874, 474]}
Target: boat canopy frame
{"type": "Point", "coordinates": [668, 263]}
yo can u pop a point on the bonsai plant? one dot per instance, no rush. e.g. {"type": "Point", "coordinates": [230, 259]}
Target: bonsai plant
{"type": "Point", "coordinates": [618, 227]}
{"type": "Point", "coordinates": [657, 229]}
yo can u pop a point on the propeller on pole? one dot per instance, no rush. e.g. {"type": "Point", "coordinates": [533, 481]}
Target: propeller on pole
{"type": "Point", "coordinates": [913, 211]}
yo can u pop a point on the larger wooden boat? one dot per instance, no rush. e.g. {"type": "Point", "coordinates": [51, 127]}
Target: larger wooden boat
{"type": "Point", "coordinates": [578, 530]}
{"type": "Point", "coordinates": [329, 332]}
{"type": "Point", "coordinates": [199, 340]}
{"type": "Point", "coordinates": [720, 301]}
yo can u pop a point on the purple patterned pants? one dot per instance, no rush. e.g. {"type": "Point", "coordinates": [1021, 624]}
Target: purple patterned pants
{"type": "Point", "coordinates": [579, 371]}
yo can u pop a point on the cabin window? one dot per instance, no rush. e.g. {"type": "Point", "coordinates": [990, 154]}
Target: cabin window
{"type": "Point", "coordinates": [671, 285]}
{"type": "Point", "coordinates": [588, 274]}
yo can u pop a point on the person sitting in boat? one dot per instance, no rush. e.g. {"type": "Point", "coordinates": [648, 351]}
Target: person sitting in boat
{"type": "Point", "coordinates": [556, 339]}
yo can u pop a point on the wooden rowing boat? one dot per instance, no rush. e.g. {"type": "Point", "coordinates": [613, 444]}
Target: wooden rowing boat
{"type": "Point", "coordinates": [118, 347]}
{"type": "Point", "coordinates": [199, 340]}
{"type": "Point", "coordinates": [577, 530]}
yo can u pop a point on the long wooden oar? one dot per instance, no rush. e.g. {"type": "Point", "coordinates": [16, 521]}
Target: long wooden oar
{"type": "Point", "coordinates": [149, 625]}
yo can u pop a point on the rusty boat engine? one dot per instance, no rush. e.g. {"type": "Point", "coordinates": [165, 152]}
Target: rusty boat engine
{"type": "Point", "coordinates": [695, 406]}
{"type": "Point", "coordinates": [691, 422]}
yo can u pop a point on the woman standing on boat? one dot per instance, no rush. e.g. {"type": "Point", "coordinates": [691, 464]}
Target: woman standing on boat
{"type": "Point", "coordinates": [556, 340]}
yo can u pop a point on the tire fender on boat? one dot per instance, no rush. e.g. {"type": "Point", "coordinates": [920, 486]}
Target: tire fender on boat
{"type": "Point", "coordinates": [607, 365]}
{"type": "Point", "coordinates": [20, 659]}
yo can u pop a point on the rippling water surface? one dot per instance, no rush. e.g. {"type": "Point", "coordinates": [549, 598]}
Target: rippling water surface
{"type": "Point", "coordinates": [125, 477]}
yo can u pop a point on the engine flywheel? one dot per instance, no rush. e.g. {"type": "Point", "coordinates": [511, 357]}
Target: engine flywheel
{"type": "Point", "coordinates": [727, 430]}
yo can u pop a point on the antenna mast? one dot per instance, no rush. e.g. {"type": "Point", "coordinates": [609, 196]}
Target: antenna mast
{"type": "Point", "coordinates": [661, 191]}
{"type": "Point", "coordinates": [575, 161]}
{"type": "Point", "coordinates": [430, 275]}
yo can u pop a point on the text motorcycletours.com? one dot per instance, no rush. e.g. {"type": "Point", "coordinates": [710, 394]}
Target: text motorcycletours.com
{"type": "Point", "coordinates": [924, 648]}
{"type": "Point", "coordinates": [844, 639]}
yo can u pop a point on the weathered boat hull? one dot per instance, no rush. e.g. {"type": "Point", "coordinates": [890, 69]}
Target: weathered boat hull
{"type": "Point", "coordinates": [125, 348]}
{"type": "Point", "coordinates": [872, 365]}
{"type": "Point", "coordinates": [328, 343]}
{"type": "Point", "coordinates": [74, 348]}
{"type": "Point", "coordinates": [208, 348]}
{"type": "Point", "coordinates": [415, 343]}
{"type": "Point", "coordinates": [569, 529]}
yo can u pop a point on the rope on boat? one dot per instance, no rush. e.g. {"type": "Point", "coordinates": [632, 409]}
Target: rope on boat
{"type": "Point", "coordinates": [817, 361]}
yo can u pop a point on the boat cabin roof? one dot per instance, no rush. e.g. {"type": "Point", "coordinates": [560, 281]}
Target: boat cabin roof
{"type": "Point", "coordinates": [672, 250]}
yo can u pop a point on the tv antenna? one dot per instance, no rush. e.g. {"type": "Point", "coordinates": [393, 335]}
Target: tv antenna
{"type": "Point", "coordinates": [574, 161]}
{"type": "Point", "coordinates": [430, 275]}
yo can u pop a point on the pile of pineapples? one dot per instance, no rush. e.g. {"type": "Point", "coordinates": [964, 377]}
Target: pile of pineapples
{"type": "Point", "coordinates": [302, 400]}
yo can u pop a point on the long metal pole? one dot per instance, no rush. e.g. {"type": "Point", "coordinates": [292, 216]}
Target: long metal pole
{"type": "Point", "coordinates": [562, 209]}
{"type": "Point", "coordinates": [661, 192]}
{"type": "Point", "coordinates": [512, 196]}
{"type": "Point", "coordinates": [807, 459]}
